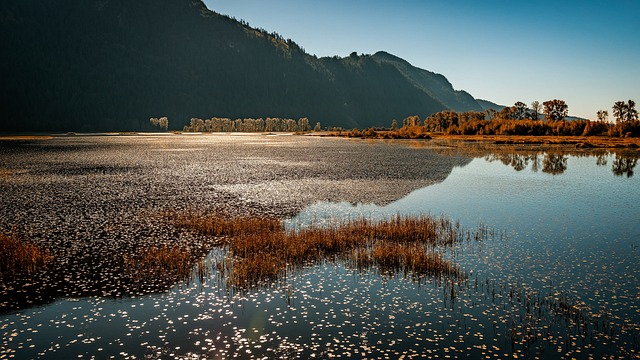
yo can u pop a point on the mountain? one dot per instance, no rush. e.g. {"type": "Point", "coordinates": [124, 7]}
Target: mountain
{"type": "Point", "coordinates": [486, 105]}
{"type": "Point", "coordinates": [101, 65]}
{"type": "Point", "coordinates": [435, 85]}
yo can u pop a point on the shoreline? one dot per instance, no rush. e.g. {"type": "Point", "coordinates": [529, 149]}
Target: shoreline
{"type": "Point", "coordinates": [603, 142]}
{"type": "Point", "coordinates": [581, 141]}
{"type": "Point", "coordinates": [578, 142]}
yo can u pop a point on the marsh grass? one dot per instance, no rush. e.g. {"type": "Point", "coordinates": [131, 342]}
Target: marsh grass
{"type": "Point", "coordinates": [261, 250]}
{"type": "Point", "coordinates": [19, 257]}
{"type": "Point", "coordinates": [165, 263]}
{"type": "Point", "coordinates": [218, 224]}
{"type": "Point", "coordinates": [413, 259]}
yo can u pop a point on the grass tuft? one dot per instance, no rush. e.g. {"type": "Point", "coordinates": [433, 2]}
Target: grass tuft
{"type": "Point", "coordinates": [218, 224]}
{"type": "Point", "coordinates": [19, 257]}
{"type": "Point", "coordinates": [164, 262]}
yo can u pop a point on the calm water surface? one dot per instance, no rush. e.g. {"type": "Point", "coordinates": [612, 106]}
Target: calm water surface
{"type": "Point", "coordinates": [570, 238]}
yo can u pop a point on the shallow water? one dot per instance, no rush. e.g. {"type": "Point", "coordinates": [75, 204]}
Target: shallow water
{"type": "Point", "coordinates": [571, 238]}
{"type": "Point", "coordinates": [576, 233]}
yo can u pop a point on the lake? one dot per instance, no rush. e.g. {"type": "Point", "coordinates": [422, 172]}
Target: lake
{"type": "Point", "coordinates": [556, 275]}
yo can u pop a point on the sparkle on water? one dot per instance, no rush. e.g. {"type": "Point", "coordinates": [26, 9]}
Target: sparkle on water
{"type": "Point", "coordinates": [559, 279]}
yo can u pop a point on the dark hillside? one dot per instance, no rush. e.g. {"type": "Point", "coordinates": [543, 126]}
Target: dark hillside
{"type": "Point", "coordinates": [100, 65]}
{"type": "Point", "coordinates": [486, 105]}
{"type": "Point", "coordinates": [435, 85]}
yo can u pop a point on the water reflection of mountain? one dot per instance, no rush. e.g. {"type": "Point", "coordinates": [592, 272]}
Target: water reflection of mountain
{"type": "Point", "coordinates": [548, 159]}
{"type": "Point", "coordinates": [357, 172]}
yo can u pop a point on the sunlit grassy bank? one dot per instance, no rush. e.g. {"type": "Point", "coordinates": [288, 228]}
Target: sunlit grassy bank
{"type": "Point", "coordinates": [418, 132]}
{"type": "Point", "coordinates": [262, 250]}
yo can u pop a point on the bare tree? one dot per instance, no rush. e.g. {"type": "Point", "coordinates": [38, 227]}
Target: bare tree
{"type": "Point", "coordinates": [620, 111]}
{"type": "Point", "coordinates": [632, 113]}
{"type": "Point", "coordinates": [520, 110]}
{"type": "Point", "coordinates": [491, 114]}
{"type": "Point", "coordinates": [555, 109]}
{"type": "Point", "coordinates": [603, 115]}
{"type": "Point", "coordinates": [535, 110]}
{"type": "Point", "coordinates": [625, 112]}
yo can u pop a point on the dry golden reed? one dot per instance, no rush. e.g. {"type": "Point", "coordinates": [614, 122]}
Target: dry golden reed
{"type": "Point", "coordinates": [223, 225]}
{"type": "Point", "coordinates": [261, 249]}
{"type": "Point", "coordinates": [162, 262]}
{"type": "Point", "coordinates": [18, 257]}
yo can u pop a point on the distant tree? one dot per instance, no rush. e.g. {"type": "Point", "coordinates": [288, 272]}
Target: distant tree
{"type": "Point", "coordinates": [625, 112]}
{"type": "Point", "coordinates": [603, 115]}
{"type": "Point", "coordinates": [441, 121]}
{"type": "Point", "coordinates": [632, 113]}
{"type": "Point", "coordinates": [411, 121]}
{"type": "Point", "coordinates": [555, 110]}
{"type": "Point", "coordinates": [520, 110]}
{"type": "Point", "coordinates": [470, 116]}
{"type": "Point", "coordinates": [535, 110]}
{"type": "Point", "coordinates": [162, 122]}
{"type": "Point", "coordinates": [303, 124]}
{"type": "Point", "coordinates": [507, 113]}
{"type": "Point", "coordinates": [394, 125]}
{"type": "Point", "coordinates": [619, 111]}
{"type": "Point", "coordinates": [491, 114]}
{"type": "Point", "coordinates": [317, 127]}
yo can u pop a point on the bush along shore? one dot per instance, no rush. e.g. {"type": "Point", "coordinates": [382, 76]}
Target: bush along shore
{"type": "Point", "coordinates": [516, 124]}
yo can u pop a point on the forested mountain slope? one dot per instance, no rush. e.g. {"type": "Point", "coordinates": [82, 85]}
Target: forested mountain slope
{"type": "Point", "coordinates": [101, 65]}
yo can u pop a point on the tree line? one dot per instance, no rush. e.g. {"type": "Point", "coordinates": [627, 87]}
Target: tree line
{"type": "Point", "coordinates": [519, 119]}
{"type": "Point", "coordinates": [216, 124]}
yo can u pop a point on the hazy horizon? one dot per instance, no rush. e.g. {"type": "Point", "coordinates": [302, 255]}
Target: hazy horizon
{"type": "Point", "coordinates": [495, 50]}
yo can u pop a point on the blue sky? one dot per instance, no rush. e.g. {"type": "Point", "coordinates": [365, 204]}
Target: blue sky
{"type": "Point", "coordinates": [585, 52]}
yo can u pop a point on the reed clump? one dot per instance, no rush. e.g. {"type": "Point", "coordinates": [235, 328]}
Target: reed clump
{"type": "Point", "coordinates": [159, 263]}
{"type": "Point", "coordinates": [413, 259]}
{"type": "Point", "coordinates": [219, 224]}
{"type": "Point", "coordinates": [261, 249]}
{"type": "Point", "coordinates": [19, 257]}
